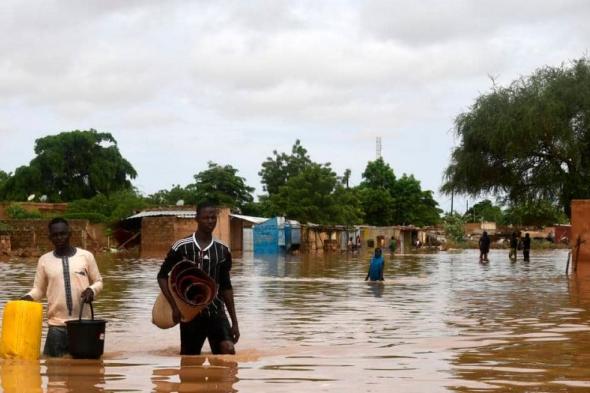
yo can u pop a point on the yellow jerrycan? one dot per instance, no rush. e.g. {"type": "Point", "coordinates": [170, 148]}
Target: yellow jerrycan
{"type": "Point", "coordinates": [21, 330]}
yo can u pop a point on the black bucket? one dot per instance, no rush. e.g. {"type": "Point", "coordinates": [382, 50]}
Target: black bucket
{"type": "Point", "coordinates": [86, 336]}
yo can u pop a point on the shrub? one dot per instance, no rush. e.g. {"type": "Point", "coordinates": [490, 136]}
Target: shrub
{"type": "Point", "coordinates": [17, 212]}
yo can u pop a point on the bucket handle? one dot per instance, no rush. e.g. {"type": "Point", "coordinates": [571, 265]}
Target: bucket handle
{"type": "Point", "coordinates": [82, 308]}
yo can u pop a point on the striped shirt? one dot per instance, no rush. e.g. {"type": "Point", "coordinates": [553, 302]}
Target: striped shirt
{"type": "Point", "coordinates": [81, 273]}
{"type": "Point", "coordinates": [214, 259]}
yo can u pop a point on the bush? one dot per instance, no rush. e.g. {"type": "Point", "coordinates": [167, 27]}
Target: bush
{"type": "Point", "coordinates": [17, 212]}
{"type": "Point", "coordinates": [90, 216]}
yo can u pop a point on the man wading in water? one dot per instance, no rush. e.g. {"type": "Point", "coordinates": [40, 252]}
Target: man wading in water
{"type": "Point", "coordinates": [65, 276]}
{"type": "Point", "coordinates": [213, 258]}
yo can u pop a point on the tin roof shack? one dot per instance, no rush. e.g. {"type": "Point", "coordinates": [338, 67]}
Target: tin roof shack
{"type": "Point", "coordinates": [580, 238]}
{"type": "Point", "coordinates": [316, 237]}
{"type": "Point", "coordinates": [159, 229]}
{"type": "Point", "coordinates": [276, 235]}
{"type": "Point", "coordinates": [406, 237]}
{"type": "Point", "coordinates": [241, 231]}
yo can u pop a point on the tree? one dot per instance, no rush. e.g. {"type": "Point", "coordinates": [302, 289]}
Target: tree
{"type": "Point", "coordinates": [3, 178]}
{"type": "Point", "coordinates": [107, 208]}
{"type": "Point", "coordinates": [529, 141]}
{"type": "Point", "coordinates": [278, 169]}
{"type": "Point", "coordinates": [537, 213]}
{"type": "Point", "coordinates": [484, 211]}
{"type": "Point", "coordinates": [221, 185]}
{"type": "Point", "coordinates": [390, 201]}
{"type": "Point", "coordinates": [454, 227]}
{"type": "Point", "coordinates": [315, 195]}
{"type": "Point", "coordinates": [71, 165]}
{"type": "Point", "coordinates": [173, 195]}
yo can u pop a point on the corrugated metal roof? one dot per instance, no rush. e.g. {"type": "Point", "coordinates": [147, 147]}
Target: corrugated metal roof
{"type": "Point", "coordinates": [254, 220]}
{"type": "Point", "coordinates": [158, 213]}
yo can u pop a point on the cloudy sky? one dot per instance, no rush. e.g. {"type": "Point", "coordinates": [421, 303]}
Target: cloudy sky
{"type": "Point", "coordinates": [180, 83]}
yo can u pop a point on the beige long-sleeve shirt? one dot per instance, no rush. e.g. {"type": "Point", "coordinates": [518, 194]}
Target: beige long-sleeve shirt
{"type": "Point", "coordinates": [49, 281]}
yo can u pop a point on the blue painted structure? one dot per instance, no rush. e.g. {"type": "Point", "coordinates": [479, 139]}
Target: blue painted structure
{"type": "Point", "coordinates": [276, 235]}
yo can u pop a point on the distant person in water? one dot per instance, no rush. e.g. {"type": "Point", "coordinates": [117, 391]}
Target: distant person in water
{"type": "Point", "coordinates": [392, 245]}
{"type": "Point", "coordinates": [376, 267]}
{"type": "Point", "coordinates": [484, 247]}
{"type": "Point", "coordinates": [513, 246]}
{"type": "Point", "coordinates": [526, 247]}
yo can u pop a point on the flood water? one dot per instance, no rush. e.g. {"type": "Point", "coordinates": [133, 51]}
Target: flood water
{"type": "Point", "coordinates": [439, 323]}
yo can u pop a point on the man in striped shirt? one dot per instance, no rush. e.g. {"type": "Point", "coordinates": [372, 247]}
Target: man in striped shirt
{"type": "Point", "coordinates": [214, 258]}
{"type": "Point", "coordinates": [68, 276]}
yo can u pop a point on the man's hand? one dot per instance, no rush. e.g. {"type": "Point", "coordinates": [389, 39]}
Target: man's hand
{"type": "Point", "coordinates": [235, 332]}
{"type": "Point", "coordinates": [88, 295]}
{"type": "Point", "coordinates": [26, 297]}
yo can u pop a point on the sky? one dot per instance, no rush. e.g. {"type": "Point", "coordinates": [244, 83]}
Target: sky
{"type": "Point", "coordinates": [181, 83]}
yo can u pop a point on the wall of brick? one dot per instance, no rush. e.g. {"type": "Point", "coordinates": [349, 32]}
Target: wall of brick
{"type": "Point", "coordinates": [159, 233]}
{"type": "Point", "coordinates": [5, 246]}
{"type": "Point", "coordinates": [581, 228]}
{"type": "Point", "coordinates": [25, 234]}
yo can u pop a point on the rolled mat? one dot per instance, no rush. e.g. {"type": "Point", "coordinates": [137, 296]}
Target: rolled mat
{"type": "Point", "coordinates": [192, 290]}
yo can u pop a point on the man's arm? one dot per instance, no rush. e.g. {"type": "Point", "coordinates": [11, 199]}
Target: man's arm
{"type": "Point", "coordinates": [227, 294]}
{"type": "Point", "coordinates": [95, 279]}
{"type": "Point", "coordinates": [39, 285]}
{"type": "Point", "coordinates": [172, 259]}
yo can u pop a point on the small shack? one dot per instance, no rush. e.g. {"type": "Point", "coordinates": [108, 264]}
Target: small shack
{"type": "Point", "coordinates": [276, 235]}
{"type": "Point", "coordinates": [159, 229]}
{"type": "Point", "coordinates": [241, 230]}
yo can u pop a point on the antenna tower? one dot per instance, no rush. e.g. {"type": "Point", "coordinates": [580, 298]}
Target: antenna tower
{"type": "Point", "coordinates": [378, 147]}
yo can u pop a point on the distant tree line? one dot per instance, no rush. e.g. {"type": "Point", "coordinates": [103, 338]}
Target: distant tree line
{"type": "Point", "coordinates": [86, 169]}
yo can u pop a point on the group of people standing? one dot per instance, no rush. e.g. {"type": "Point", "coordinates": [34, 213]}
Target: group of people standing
{"type": "Point", "coordinates": [516, 243]}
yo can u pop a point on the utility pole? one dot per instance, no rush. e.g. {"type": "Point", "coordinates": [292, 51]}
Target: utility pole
{"type": "Point", "coordinates": [378, 148]}
{"type": "Point", "coordinates": [452, 198]}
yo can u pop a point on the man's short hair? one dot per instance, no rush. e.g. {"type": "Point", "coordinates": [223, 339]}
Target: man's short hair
{"type": "Point", "coordinates": [57, 220]}
{"type": "Point", "coordinates": [205, 204]}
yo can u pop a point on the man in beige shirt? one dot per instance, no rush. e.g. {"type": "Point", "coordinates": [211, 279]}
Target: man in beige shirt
{"type": "Point", "coordinates": [67, 276]}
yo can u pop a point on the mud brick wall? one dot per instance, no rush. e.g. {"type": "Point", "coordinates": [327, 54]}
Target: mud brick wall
{"type": "Point", "coordinates": [33, 234]}
{"type": "Point", "coordinates": [157, 235]}
{"type": "Point", "coordinates": [581, 228]}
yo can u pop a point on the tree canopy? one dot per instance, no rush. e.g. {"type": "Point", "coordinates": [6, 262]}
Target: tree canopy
{"type": "Point", "coordinates": [390, 201]}
{"type": "Point", "coordinates": [484, 211]}
{"type": "Point", "coordinates": [278, 169]}
{"type": "Point", "coordinates": [221, 184]}
{"type": "Point", "coordinates": [71, 165]}
{"type": "Point", "coordinates": [528, 141]}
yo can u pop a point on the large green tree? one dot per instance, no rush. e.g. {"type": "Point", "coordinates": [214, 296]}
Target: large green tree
{"type": "Point", "coordinates": [484, 211]}
{"type": "Point", "coordinates": [316, 195]}
{"type": "Point", "coordinates": [390, 201]}
{"type": "Point", "coordinates": [71, 165]}
{"type": "Point", "coordinates": [222, 185]}
{"type": "Point", "coordinates": [528, 141]}
{"type": "Point", "coordinates": [535, 213]}
{"type": "Point", "coordinates": [276, 170]}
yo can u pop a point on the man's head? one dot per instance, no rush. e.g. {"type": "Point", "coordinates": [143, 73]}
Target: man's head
{"type": "Point", "coordinates": [206, 216]}
{"type": "Point", "coordinates": [59, 232]}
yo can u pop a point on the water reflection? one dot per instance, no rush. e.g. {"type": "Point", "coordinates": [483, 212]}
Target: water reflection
{"type": "Point", "coordinates": [438, 323]}
{"type": "Point", "coordinates": [194, 375]}
{"type": "Point", "coordinates": [20, 376]}
{"type": "Point", "coordinates": [73, 375]}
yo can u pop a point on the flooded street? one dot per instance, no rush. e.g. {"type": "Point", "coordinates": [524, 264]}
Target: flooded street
{"type": "Point", "coordinates": [439, 323]}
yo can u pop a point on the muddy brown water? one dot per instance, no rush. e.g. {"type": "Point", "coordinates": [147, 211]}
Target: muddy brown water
{"type": "Point", "coordinates": [439, 323]}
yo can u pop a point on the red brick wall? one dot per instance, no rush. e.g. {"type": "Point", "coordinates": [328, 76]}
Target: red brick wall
{"type": "Point", "coordinates": [46, 208]}
{"type": "Point", "coordinates": [159, 233]}
{"type": "Point", "coordinates": [33, 234]}
{"type": "Point", "coordinates": [581, 228]}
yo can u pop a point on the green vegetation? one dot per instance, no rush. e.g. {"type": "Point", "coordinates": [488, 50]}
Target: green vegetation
{"type": "Point", "coordinates": [389, 201]}
{"type": "Point", "coordinates": [69, 166]}
{"type": "Point", "coordinates": [454, 227]}
{"type": "Point", "coordinates": [528, 142]}
{"type": "Point", "coordinates": [17, 212]}
{"type": "Point", "coordinates": [107, 208]}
